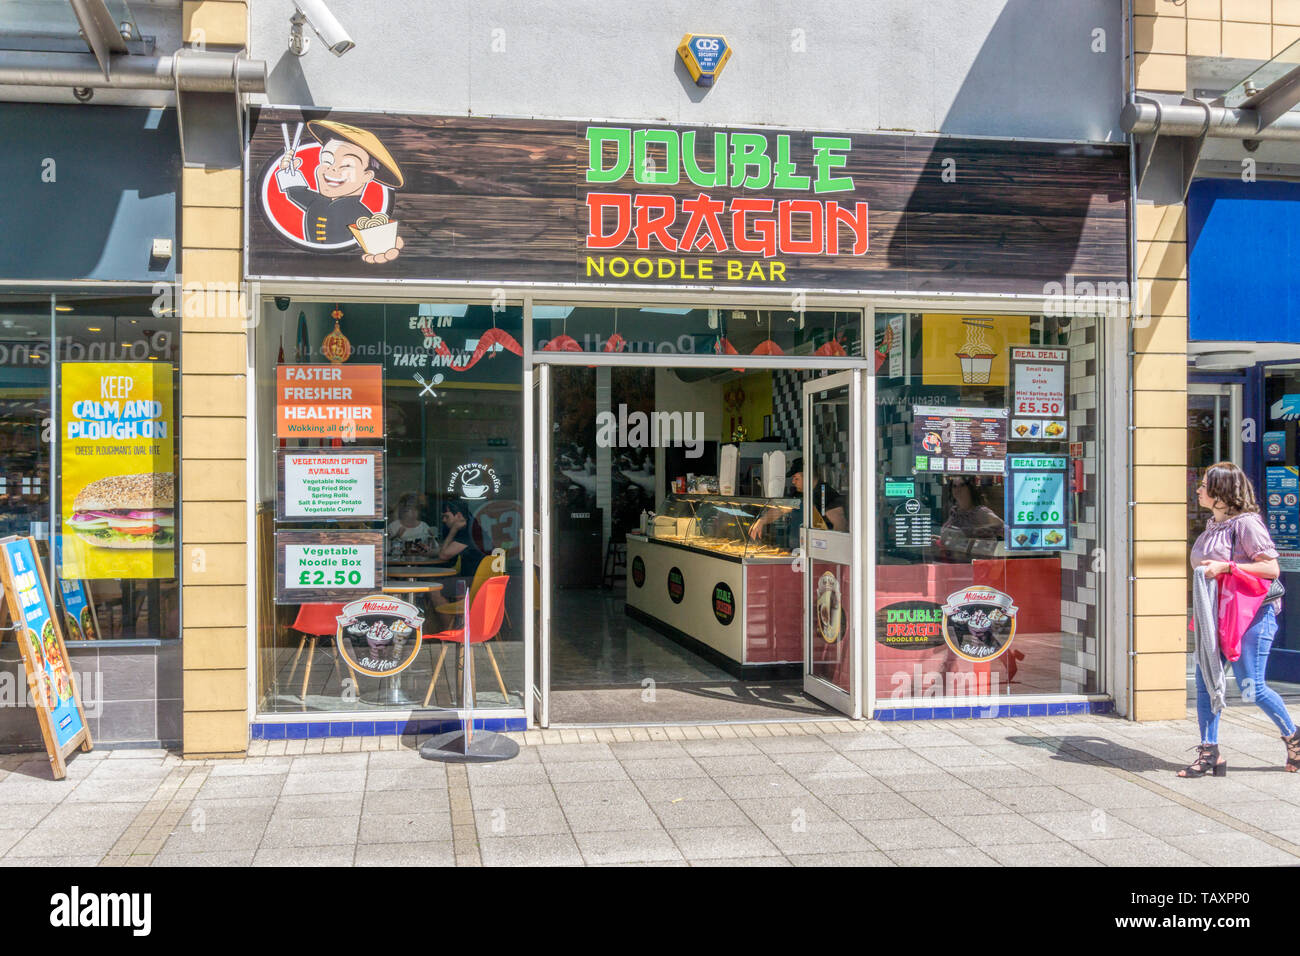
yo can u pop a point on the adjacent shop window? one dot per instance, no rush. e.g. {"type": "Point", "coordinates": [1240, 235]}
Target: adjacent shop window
{"type": "Point", "coordinates": [390, 468]}
{"type": "Point", "coordinates": [988, 516]}
{"type": "Point", "coordinates": [1280, 491]}
{"type": "Point", "coordinates": [90, 443]}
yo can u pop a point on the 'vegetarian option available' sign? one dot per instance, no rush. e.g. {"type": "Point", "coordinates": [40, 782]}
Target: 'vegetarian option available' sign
{"type": "Point", "coordinates": [330, 484]}
{"type": "Point", "coordinates": [329, 401]}
{"type": "Point", "coordinates": [1038, 404]}
{"type": "Point", "coordinates": [116, 447]}
{"type": "Point", "coordinates": [1037, 516]}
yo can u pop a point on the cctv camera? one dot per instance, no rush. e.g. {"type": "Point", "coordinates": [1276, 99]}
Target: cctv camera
{"type": "Point", "coordinates": [324, 23]}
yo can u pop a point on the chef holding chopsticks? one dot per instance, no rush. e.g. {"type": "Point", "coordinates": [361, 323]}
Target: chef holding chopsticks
{"type": "Point", "coordinates": [350, 158]}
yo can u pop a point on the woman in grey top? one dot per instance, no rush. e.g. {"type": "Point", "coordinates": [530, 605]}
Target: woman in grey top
{"type": "Point", "coordinates": [1236, 534]}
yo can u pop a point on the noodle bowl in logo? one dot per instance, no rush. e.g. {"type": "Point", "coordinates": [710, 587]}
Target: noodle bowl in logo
{"type": "Point", "coordinates": [979, 623]}
{"type": "Point", "coordinates": [379, 635]}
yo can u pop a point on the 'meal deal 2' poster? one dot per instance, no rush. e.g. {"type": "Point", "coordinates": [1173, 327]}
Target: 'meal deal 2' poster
{"type": "Point", "coordinates": [116, 463]}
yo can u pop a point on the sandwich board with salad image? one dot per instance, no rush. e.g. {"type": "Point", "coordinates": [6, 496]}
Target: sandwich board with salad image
{"type": "Point", "coordinates": [29, 615]}
{"type": "Point", "coordinates": [116, 477]}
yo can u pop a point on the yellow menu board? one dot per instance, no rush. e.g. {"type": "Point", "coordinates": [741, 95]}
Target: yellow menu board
{"type": "Point", "coordinates": [118, 488]}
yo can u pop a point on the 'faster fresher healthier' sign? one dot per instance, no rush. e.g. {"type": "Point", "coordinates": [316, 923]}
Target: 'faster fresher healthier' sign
{"type": "Point", "coordinates": [329, 401]}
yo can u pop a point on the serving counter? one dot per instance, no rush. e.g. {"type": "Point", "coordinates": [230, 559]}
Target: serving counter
{"type": "Point", "coordinates": [717, 575]}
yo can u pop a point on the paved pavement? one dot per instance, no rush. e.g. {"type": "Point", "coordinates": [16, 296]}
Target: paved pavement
{"type": "Point", "coordinates": [1082, 791]}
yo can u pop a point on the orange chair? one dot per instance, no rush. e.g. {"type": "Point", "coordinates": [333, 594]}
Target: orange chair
{"type": "Point", "coordinates": [485, 614]}
{"type": "Point", "coordinates": [315, 621]}
{"type": "Point", "coordinates": [457, 608]}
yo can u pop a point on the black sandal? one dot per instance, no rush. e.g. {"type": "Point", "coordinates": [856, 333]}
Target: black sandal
{"type": "Point", "coordinates": [1292, 751]}
{"type": "Point", "coordinates": [1207, 761]}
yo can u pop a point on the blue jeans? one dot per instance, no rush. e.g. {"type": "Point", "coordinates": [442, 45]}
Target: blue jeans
{"type": "Point", "coordinates": [1249, 671]}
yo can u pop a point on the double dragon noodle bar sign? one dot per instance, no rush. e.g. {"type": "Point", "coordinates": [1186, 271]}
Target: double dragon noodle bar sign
{"type": "Point", "coordinates": [435, 198]}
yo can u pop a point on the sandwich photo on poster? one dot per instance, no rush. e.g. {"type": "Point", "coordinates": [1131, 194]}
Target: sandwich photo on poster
{"type": "Point", "coordinates": [118, 488]}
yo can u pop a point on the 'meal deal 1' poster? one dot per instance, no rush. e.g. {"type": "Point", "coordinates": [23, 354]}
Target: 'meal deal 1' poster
{"type": "Point", "coordinates": [116, 463]}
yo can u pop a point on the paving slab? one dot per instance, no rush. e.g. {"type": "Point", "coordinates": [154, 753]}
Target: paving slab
{"type": "Point", "coordinates": [723, 843]}
{"type": "Point", "coordinates": [627, 846]}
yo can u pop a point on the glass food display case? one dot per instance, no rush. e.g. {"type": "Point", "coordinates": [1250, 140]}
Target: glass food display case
{"type": "Point", "coordinates": [742, 529]}
{"type": "Point", "coordinates": [718, 575]}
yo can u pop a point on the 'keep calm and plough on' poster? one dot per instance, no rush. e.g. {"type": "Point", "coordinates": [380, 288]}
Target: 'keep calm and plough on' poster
{"type": "Point", "coordinates": [116, 469]}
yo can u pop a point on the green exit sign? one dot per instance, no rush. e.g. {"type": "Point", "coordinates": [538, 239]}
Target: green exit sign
{"type": "Point", "coordinates": [498, 442]}
{"type": "Point", "coordinates": [900, 487]}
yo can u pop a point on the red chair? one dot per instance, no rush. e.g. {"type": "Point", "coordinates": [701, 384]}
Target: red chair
{"type": "Point", "coordinates": [315, 621]}
{"type": "Point", "coordinates": [485, 614]}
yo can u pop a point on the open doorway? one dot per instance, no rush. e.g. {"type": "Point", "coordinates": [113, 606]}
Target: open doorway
{"type": "Point", "coordinates": [676, 501]}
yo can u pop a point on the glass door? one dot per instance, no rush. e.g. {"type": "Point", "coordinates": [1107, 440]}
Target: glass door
{"type": "Point", "coordinates": [829, 480]}
{"type": "Point", "coordinates": [539, 582]}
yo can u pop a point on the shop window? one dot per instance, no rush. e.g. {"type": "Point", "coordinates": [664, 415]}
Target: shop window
{"type": "Point", "coordinates": [988, 506]}
{"type": "Point", "coordinates": [669, 330]}
{"type": "Point", "coordinates": [99, 498]}
{"type": "Point", "coordinates": [448, 506]}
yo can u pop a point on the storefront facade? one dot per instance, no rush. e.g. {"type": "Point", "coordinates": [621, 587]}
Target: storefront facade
{"type": "Point", "coordinates": [887, 259]}
{"type": "Point", "coordinates": [479, 268]}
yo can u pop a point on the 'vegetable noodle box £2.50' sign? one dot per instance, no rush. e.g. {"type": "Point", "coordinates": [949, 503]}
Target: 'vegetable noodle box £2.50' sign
{"type": "Point", "coordinates": [116, 445]}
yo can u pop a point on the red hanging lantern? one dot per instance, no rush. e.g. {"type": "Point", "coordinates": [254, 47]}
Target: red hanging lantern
{"type": "Point", "coordinates": [336, 346]}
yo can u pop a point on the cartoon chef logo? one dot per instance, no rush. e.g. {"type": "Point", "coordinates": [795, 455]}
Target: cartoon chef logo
{"type": "Point", "coordinates": [336, 193]}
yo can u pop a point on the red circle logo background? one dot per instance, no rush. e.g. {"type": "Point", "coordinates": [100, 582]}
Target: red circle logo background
{"type": "Point", "coordinates": [288, 218]}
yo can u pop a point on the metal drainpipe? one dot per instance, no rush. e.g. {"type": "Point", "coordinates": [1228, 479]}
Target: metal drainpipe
{"type": "Point", "coordinates": [186, 70]}
{"type": "Point", "coordinates": [1130, 581]}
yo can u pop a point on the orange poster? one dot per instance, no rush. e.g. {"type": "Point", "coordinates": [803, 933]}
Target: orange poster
{"type": "Point", "coordinates": [329, 401]}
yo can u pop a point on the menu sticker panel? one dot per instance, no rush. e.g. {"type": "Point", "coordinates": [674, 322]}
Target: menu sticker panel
{"type": "Point", "coordinates": [959, 439]}
{"type": "Point", "coordinates": [1037, 513]}
{"type": "Point", "coordinates": [116, 471]}
{"type": "Point", "coordinates": [329, 484]}
{"type": "Point", "coordinates": [329, 401]}
{"type": "Point", "coordinates": [1282, 501]}
{"type": "Point", "coordinates": [913, 525]}
{"type": "Point", "coordinates": [1040, 381]}
{"type": "Point", "coordinates": [49, 675]}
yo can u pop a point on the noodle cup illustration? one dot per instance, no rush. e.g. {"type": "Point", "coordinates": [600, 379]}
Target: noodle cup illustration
{"type": "Point", "coordinates": [975, 356]}
{"type": "Point", "coordinates": [375, 234]}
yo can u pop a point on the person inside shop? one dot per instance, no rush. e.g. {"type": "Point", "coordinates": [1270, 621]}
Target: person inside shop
{"type": "Point", "coordinates": [971, 527]}
{"type": "Point", "coordinates": [829, 507]}
{"type": "Point", "coordinates": [407, 532]}
{"type": "Point", "coordinates": [457, 541]}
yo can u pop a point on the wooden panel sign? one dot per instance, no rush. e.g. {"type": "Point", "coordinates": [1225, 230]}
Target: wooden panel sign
{"type": "Point", "coordinates": [30, 616]}
{"type": "Point", "coordinates": [316, 484]}
{"type": "Point", "coordinates": [315, 567]}
{"type": "Point", "coordinates": [453, 198]}
{"type": "Point", "coordinates": [329, 401]}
